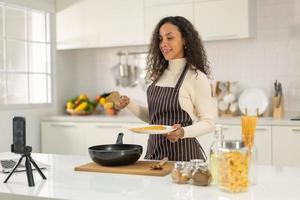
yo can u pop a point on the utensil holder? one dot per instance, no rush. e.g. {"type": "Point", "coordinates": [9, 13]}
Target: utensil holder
{"type": "Point", "coordinates": [277, 103]}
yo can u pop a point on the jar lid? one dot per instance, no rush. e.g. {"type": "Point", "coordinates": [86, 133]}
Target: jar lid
{"type": "Point", "coordinates": [232, 144]}
{"type": "Point", "coordinates": [195, 161]}
{"type": "Point", "coordinates": [180, 164]}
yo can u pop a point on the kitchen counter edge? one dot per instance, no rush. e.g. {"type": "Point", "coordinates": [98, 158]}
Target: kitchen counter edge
{"type": "Point", "coordinates": [262, 121]}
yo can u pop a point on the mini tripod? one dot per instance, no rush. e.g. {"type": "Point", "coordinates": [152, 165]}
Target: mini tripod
{"type": "Point", "coordinates": [29, 160]}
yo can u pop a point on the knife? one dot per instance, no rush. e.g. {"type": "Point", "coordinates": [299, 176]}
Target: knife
{"type": "Point", "coordinates": [279, 92]}
{"type": "Point", "coordinates": [276, 88]}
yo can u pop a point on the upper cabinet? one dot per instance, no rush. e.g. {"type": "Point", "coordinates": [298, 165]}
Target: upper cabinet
{"type": "Point", "coordinates": [224, 19]}
{"type": "Point", "coordinates": [114, 22]}
{"type": "Point", "coordinates": [69, 24]}
{"type": "Point", "coordinates": [99, 23]}
{"type": "Point", "coordinates": [102, 23]}
{"type": "Point", "coordinates": [156, 10]}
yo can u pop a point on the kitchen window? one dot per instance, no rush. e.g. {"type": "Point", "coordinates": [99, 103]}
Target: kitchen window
{"type": "Point", "coordinates": [25, 56]}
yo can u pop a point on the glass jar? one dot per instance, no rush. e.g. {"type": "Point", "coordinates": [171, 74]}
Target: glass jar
{"type": "Point", "coordinates": [213, 154]}
{"type": "Point", "coordinates": [233, 166]}
{"type": "Point", "coordinates": [201, 175]}
{"type": "Point", "coordinates": [193, 163]}
{"type": "Point", "coordinates": [180, 173]}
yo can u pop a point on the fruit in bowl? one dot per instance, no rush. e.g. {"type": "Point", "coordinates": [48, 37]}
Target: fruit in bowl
{"type": "Point", "coordinates": [108, 102]}
{"type": "Point", "coordinates": [80, 105]}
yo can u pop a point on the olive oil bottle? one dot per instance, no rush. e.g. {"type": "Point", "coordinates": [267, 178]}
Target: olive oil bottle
{"type": "Point", "coordinates": [213, 154]}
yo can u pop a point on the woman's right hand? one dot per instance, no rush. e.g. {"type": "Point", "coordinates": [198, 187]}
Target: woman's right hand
{"type": "Point", "coordinates": [123, 102]}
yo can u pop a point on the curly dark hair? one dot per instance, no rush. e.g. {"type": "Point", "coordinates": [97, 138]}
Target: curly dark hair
{"type": "Point", "coordinates": [194, 51]}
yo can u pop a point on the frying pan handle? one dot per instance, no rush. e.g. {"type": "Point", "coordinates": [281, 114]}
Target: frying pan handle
{"type": "Point", "coordinates": [120, 138]}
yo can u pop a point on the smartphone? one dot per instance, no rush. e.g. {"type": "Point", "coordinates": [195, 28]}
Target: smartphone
{"type": "Point", "coordinates": [19, 135]}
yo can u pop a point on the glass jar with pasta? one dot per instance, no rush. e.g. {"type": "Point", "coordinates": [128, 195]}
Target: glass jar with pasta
{"type": "Point", "coordinates": [233, 166]}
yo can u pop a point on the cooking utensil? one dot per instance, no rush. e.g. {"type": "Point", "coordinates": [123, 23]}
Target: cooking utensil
{"type": "Point", "coordinates": [159, 165]}
{"type": "Point", "coordinates": [276, 88]}
{"type": "Point", "coordinates": [134, 76]}
{"type": "Point", "coordinates": [279, 93]}
{"type": "Point", "coordinates": [116, 154]}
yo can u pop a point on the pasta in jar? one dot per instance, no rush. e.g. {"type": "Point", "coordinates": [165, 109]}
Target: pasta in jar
{"type": "Point", "coordinates": [233, 167]}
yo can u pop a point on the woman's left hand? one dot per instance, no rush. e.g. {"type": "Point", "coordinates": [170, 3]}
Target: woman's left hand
{"type": "Point", "coordinates": [177, 134]}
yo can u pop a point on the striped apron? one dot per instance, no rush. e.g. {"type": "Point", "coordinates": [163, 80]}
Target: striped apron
{"type": "Point", "coordinates": [164, 108]}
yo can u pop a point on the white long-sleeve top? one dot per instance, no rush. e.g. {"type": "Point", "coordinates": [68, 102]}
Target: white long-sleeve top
{"type": "Point", "coordinates": [194, 97]}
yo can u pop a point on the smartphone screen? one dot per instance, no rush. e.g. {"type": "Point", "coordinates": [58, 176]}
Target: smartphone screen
{"type": "Point", "coordinates": [19, 134]}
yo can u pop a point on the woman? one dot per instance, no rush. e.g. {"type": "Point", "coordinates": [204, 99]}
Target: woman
{"type": "Point", "coordinates": [179, 95]}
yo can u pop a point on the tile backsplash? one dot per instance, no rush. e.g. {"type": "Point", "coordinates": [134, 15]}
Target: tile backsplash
{"type": "Point", "coordinates": [273, 54]}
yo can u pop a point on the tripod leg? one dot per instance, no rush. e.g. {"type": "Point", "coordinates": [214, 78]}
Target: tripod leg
{"type": "Point", "coordinates": [29, 172]}
{"type": "Point", "coordinates": [37, 168]}
{"type": "Point", "coordinates": [16, 166]}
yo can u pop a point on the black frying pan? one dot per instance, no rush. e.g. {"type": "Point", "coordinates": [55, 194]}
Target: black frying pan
{"type": "Point", "coordinates": [116, 154]}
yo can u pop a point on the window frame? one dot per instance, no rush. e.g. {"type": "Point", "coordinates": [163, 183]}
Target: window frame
{"type": "Point", "coordinates": [49, 40]}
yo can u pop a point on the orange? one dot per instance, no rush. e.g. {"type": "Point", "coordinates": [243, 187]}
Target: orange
{"type": "Point", "coordinates": [110, 112]}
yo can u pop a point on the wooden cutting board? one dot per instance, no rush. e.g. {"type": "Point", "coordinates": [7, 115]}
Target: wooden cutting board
{"type": "Point", "coordinates": [138, 168]}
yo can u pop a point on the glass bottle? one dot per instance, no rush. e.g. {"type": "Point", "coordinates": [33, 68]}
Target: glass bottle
{"type": "Point", "coordinates": [213, 154]}
{"type": "Point", "coordinates": [252, 155]}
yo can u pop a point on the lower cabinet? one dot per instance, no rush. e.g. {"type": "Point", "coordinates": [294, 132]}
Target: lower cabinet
{"type": "Point", "coordinates": [63, 138]}
{"type": "Point", "coordinates": [105, 133]}
{"type": "Point", "coordinates": [277, 145]}
{"type": "Point", "coordinates": [205, 142]}
{"type": "Point", "coordinates": [285, 145]}
{"type": "Point", "coordinates": [76, 138]}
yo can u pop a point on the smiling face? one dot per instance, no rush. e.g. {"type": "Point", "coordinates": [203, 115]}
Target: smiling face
{"type": "Point", "coordinates": [171, 42]}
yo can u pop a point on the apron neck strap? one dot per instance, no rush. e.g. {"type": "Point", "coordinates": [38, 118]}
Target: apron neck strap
{"type": "Point", "coordinates": [180, 80]}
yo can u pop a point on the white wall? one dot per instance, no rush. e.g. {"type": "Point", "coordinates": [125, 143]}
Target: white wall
{"type": "Point", "coordinates": [33, 115]}
{"type": "Point", "coordinates": [274, 53]}
{"type": "Point", "coordinates": [66, 77]}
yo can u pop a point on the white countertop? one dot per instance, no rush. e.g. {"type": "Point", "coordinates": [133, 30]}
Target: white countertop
{"type": "Point", "coordinates": [274, 183]}
{"type": "Point", "coordinates": [263, 121]}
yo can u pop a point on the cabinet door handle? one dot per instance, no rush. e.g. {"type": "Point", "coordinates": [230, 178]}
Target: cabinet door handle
{"type": "Point", "coordinates": [63, 125]}
{"type": "Point", "coordinates": [218, 37]}
{"type": "Point", "coordinates": [206, 0]}
{"type": "Point", "coordinates": [109, 126]}
{"type": "Point", "coordinates": [261, 129]}
{"type": "Point", "coordinates": [296, 130]}
{"type": "Point", "coordinates": [224, 128]}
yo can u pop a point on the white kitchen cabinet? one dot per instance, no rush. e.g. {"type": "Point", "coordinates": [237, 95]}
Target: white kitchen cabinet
{"type": "Point", "coordinates": [70, 24]}
{"type": "Point", "coordinates": [105, 133]}
{"type": "Point", "coordinates": [224, 19]}
{"type": "Point", "coordinates": [149, 3]}
{"type": "Point", "coordinates": [114, 22]}
{"type": "Point", "coordinates": [63, 138]}
{"type": "Point", "coordinates": [206, 141]}
{"type": "Point", "coordinates": [102, 23]}
{"type": "Point", "coordinates": [157, 10]}
{"type": "Point", "coordinates": [99, 23]}
{"type": "Point", "coordinates": [77, 137]}
{"type": "Point", "coordinates": [285, 145]}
